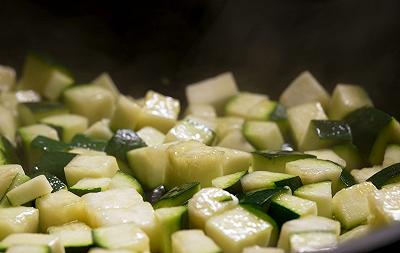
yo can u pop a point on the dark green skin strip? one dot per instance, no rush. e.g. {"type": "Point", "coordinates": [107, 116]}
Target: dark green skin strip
{"type": "Point", "coordinates": [178, 196]}
{"type": "Point", "coordinates": [347, 179]}
{"type": "Point", "coordinates": [54, 163]}
{"type": "Point", "coordinates": [384, 176]}
{"type": "Point", "coordinates": [281, 214]}
{"type": "Point", "coordinates": [293, 183]}
{"type": "Point", "coordinates": [82, 141]}
{"type": "Point", "coordinates": [123, 141]}
{"type": "Point", "coordinates": [261, 199]}
{"type": "Point", "coordinates": [49, 145]}
{"type": "Point", "coordinates": [365, 124]}
{"type": "Point", "coordinates": [333, 129]}
{"type": "Point", "coordinates": [8, 151]}
{"type": "Point", "coordinates": [43, 106]}
{"type": "Point", "coordinates": [81, 192]}
{"type": "Point", "coordinates": [270, 155]}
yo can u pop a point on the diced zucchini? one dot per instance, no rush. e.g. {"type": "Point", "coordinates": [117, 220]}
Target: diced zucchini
{"type": "Point", "coordinates": [7, 78]}
{"type": "Point", "coordinates": [227, 230]}
{"type": "Point", "coordinates": [347, 98]}
{"type": "Point", "coordinates": [324, 134]}
{"type": "Point", "coordinates": [82, 166]}
{"type": "Point", "coordinates": [6, 178]}
{"type": "Point", "coordinates": [122, 180]}
{"type": "Point", "coordinates": [386, 176]}
{"type": "Point", "coordinates": [209, 202]}
{"type": "Point", "coordinates": [125, 236]}
{"type": "Point", "coordinates": [85, 142]}
{"type": "Point", "coordinates": [29, 191]}
{"type": "Point", "coordinates": [55, 183]}
{"type": "Point", "coordinates": [18, 180]}
{"type": "Point", "coordinates": [68, 124]}
{"type": "Point", "coordinates": [183, 241]}
{"type": "Point", "coordinates": [263, 135]}
{"type": "Point", "coordinates": [8, 126]}
{"type": "Point", "coordinates": [392, 155]}
{"type": "Point", "coordinates": [313, 170]}
{"type": "Point", "coordinates": [201, 110]}
{"type": "Point", "coordinates": [104, 81]}
{"type": "Point", "coordinates": [350, 205]}
{"type": "Point", "coordinates": [113, 199]}
{"type": "Point", "coordinates": [18, 220]}
{"type": "Point", "coordinates": [372, 130]}
{"type": "Point", "coordinates": [304, 89]}
{"type": "Point", "coordinates": [150, 164]}
{"type": "Point", "coordinates": [87, 185]}
{"type": "Point", "coordinates": [235, 140]}
{"type": "Point", "coordinates": [275, 161]}
{"type": "Point", "coordinates": [44, 77]}
{"type": "Point", "coordinates": [74, 236]}
{"type": "Point", "coordinates": [29, 248]}
{"type": "Point", "coordinates": [285, 207]}
{"type": "Point", "coordinates": [123, 141]}
{"type": "Point", "coordinates": [269, 180]}
{"type": "Point", "coordinates": [384, 206]}
{"type": "Point", "coordinates": [53, 242]}
{"type": "Point", "coordinates": [90, 101]}
{"type": "Point", "coordinates": [32, 112]}
{"type": "Point", "coordinates": [69, 208]}
{"type": "Point", "coordinates": [346, 180]}
{"type": "Point", "coordinates": [8, 154]}
{"type": "Point", "coordinates": [327, 154]}
{"type": "Point", "coordinates": [355, 233]}
{"type": "Point", "coordinates": [300, 117]}
{"type": "Point", "coordinates": [151, 136]}
{"type": "Point", "coordinates": [306, 224]}
{"type": "Point", "coordinates": [194, 162]}
{"type": "Point", "coordinates": [191, 129]}
{"type": "Point", "coordinates": [321, 194]}
{"type": "Point", "coordinates": [313, 241]}
{"type": "Point", "coordinates": [99, 130]}
{"type": "Point", "coordinates": [29, 133]}
{"type": "Point", "coordinates": [126, 115]}
{"type": "Point", "coordinates": [230, 183]}
{"type": "Point", "coordinates": [227, 124]}
{"type": "Point", "coordinates": [350, 154]}
{"type": "Point", "coordinates": [235, 160]}
{"type": "Point", "coordinates": [54, 163]}
{"type": "Point", "coordinates": [364, 174]}
{"type": "Point", "coordinates": [258, 249]}
{"type": "Point", "coordinates": [214, 91]}
{"type": "Point", "coordinates": [250, 106]}
{"type": "Point", "coordinates": [260, 199]}
{"type": "Point", "coordinates": [159, 111]}
{"type": "Point", "coordinates": [178, 195]}
{"type": "Point", "coordinates": [170, 220]}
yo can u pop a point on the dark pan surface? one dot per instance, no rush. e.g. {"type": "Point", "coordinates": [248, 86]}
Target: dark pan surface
{"type": "Point", "coordinates": [164, 45]}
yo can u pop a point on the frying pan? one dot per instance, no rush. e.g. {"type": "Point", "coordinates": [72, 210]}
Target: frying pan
{"type": "Point", "coordinates": [165, 45]}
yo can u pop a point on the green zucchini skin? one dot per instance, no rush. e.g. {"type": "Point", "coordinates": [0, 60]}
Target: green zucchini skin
{"type": "Point", "coordinates": [385, 176]}
{"type": "Point", "coordinates": [275, 161]}
{"type": "Point", "coordinates": [54, 163]}
{"type": "Point", "coordinates": [123, 141]}
{"type": "Point", "coordinates": [178, 195]}
{"type": "Point", "coordinates": [8, 154]}
{"type": "Point", "coordinates": [82, 141]}
{"type": "Point", "coordinates": [260, 199]}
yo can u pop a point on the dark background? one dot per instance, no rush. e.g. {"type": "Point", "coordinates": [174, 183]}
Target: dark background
{"type": "Point", "coordinates": [164, 45]}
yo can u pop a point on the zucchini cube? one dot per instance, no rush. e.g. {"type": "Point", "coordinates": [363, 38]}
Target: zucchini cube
{"type": "Point", "coordinates": [91, 166]}
{"type": "Point", "coordinates": [159, 111]}
{"type": "Point", "coordinates": [209, 202]}
{"type": "Point", "coordinates": [194, 162]}
{"type": "Point", "coordinates": [92, 102]}
{"type": "Point", "coordinates": [151, 136]}
{"type": "Point", "coordinates": [202, 111]}
{"type": "Point", "coordinates": [74, 235]}
{"type": "Point", "coordinates": [126, 115]}
{"type": "Point", "coordinates": [69, 125]}
{"type": "Point", "coordinates": [385, 205]}
{"type": "Point", "coordinates": [124, 236]}
{"type": "Point", "coordinates": [214, 91]}
{"type": "Point", "coordinates": [238, 228]}
{"type": "Point", "coordinates": [104, 81]}
{"type": "Point", "coordinates": [263, 135]}
{"type": "Point", "coordinates": [32, 112]}
{"type": "Point", "coordinates": [249, 106]}
{"type": "Point", "coordinates": [304, 89]}
{"type": "Point", "coordinates": [69, 208]}
{"type": "Point", "coordinates": [185, 241]}
{"type": "Point", "coordinates": [51, 241]}
{"type": "Point", "coordinates": [235, 160]}
{"type": "Point", "coordinates": [300, 116]}
{"type": "Point", "coordinates": [30, 190]}
{"type": "Point", "coordinates": [350, 205]}
{"type": "Point", "coordinates": [18, 220]}
{"type": "Point", "coordinates": [99, 130]}
{"type": "Point", "coordinates": [321, 194]}
{"type": "Point", "coordinates": [347, 98]}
